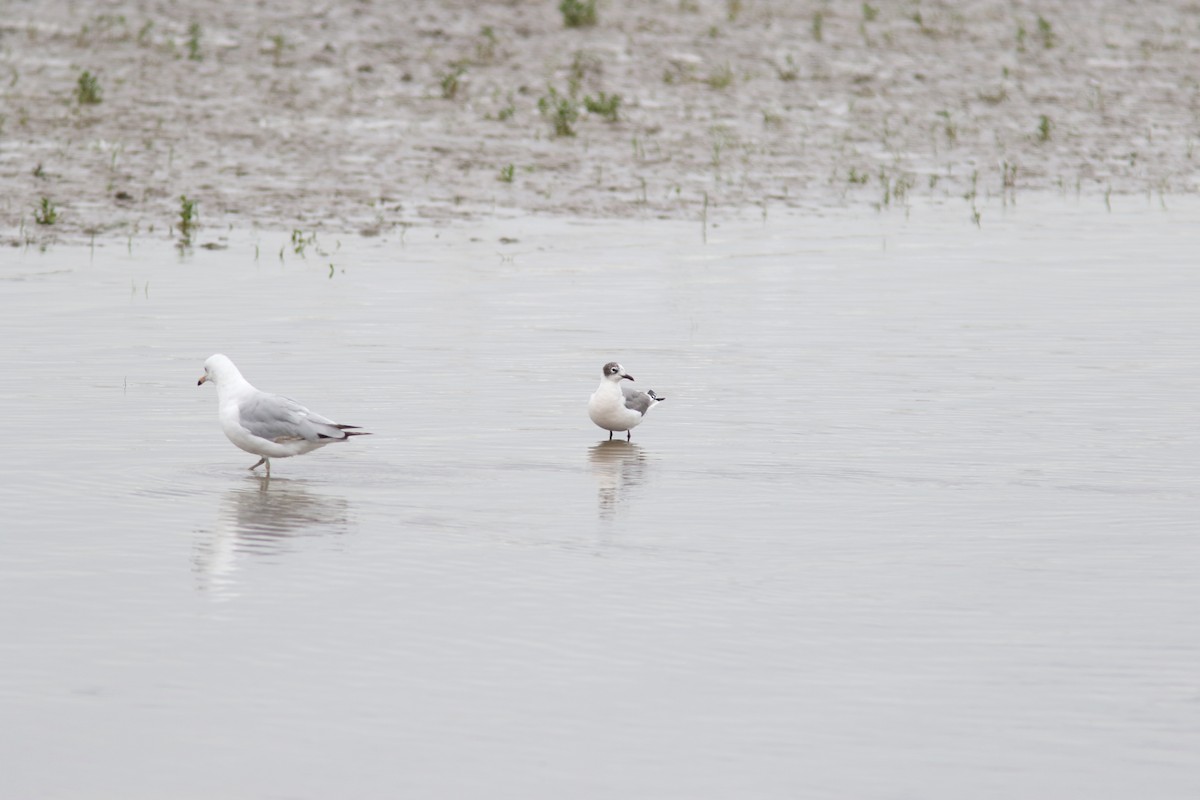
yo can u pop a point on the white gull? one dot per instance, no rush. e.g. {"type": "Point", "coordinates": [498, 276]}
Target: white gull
{"type": "Point", "coordinates": [616, 406]}
{"type": "Point", "coordinates": [267, 425]}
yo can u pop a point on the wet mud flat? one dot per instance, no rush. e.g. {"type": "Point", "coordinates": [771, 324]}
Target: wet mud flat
{"type": "Point", "coordinates": [366, 116]}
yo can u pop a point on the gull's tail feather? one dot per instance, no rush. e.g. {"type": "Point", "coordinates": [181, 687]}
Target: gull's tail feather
{"type": "Point", "coordinates": [345, 431]}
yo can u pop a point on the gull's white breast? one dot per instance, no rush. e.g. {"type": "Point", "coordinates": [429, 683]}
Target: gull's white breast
{"type": "Point", "coordinates": [607, 408]}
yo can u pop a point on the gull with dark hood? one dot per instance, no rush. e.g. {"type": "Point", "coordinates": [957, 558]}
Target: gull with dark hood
{"type": "Point", "coordinates": [617, 406]}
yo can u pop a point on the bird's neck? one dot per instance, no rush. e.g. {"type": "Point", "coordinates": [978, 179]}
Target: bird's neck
{"type": "Point", "coordinates": [233, 386]}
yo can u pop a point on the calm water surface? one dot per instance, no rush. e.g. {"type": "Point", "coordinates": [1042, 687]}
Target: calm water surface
{"type": "Point", "coordinates": [918, 519]}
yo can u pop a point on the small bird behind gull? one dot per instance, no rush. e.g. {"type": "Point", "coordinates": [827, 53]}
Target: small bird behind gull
{"type": "Point", "coordinates": [267, 425]}
{"type": "Point", "coordinates": [616, 406]}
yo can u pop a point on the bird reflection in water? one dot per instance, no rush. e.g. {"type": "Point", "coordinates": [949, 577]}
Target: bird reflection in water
{"type": "Point", "coordinates": [261, 518]}
{"type": "Point", "coordinates": [617, 466]}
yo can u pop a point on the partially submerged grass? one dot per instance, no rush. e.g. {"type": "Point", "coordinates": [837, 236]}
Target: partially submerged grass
{"type": "Point", "coordinates": [973, 192]}
{"type": "Point", "coordinates": [606, 105]}
{"type": "Point", "coordinates": [485, 46]}
{"type": "Point", "coordinates": [1045, 32]}
{"type": "Point", "coordinates": [971, 196]}
{"type": "Point", "coordinates": [923, 26]}
{"type": "Point", "coordinates": [639, 149]}
{"type": "Point", "coordinates": [508, 111]}
{"type": "Point", "coordinates": [949, 128]}
{"type": "Point", "coordinates": [193, 41]}
{"type": "Point", "coordinates": [578, 13]}
{"type": "Point", "coordinates": [1010, 175]}
{"type": "Point", "coordinates": [789, 72]}
{"type": "Point", "coordinates": [675, 74]}
{"type": "Point", "coordinates": [452, 81]}
{"type": "Point", "coordinates": [895, 189]}
{"type": "Point", "coordinates": [45, 213]}
{"type": "Point", "coordinates": [721, 138]}
{"type": "Point", "coordinates": [279, 46]}
{"type": "Point", "coordinates": [583, 64]}
{"type": "Point", "coordinates": [1044, 127]}
{"type": "Point", "coordinates": [721, 77]}
{"type": "Point", "coordinates": [506, 173]}
{"type": "Point", "coordinates": [103, 25]}
{"type": "Point", "coordinates": [187, 217]}
{"type": "Point", "coordinates": [561, 110]}
{"type": "Point", "coordinates": [725, 145]}
{"type": "Point", "coordinates": [300, 242]}
{"type": "Point", "coordinates": [995, 97]}
{"type": "Point", "coordinates": [87, 89]}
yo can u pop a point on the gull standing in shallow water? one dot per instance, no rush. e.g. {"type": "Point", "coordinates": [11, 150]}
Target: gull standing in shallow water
{"type": "Point", "coordinates": [617, 407]}
{"type": "Point", "coordinates": [267, 425]}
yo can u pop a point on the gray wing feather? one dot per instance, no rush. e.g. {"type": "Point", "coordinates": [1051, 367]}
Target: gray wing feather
{"type": "Point", "coordinates": [636, 400]}
{"type": "Point", "coordinates": [275, 417]}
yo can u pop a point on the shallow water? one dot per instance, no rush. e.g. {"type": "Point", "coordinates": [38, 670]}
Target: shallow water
{"type": "Point", "coordinates": [916, 520]}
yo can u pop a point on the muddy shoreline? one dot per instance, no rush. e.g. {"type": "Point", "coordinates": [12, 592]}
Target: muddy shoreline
{"type": "Point", "coordinates": [367, 116]}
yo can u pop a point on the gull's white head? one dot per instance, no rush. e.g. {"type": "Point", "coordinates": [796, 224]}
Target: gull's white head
{"type": "Point", "coordinates": [217, 368]}
{"type": "Point", "coordinates": [615, 372]}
